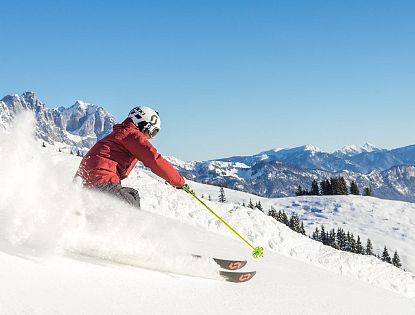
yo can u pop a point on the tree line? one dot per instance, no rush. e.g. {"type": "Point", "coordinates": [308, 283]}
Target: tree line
{"type": "Point", "coordinates": [332, 186]}
{"type": "Point", "coordinates": [340, 239]}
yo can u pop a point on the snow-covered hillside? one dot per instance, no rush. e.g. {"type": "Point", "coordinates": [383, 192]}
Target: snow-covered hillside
{"type": "Point", "coordinates": [62, 250]}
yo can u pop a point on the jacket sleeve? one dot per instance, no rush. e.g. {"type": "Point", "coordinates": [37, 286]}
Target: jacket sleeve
{"type": "Point", "coordinates": [143, 150]}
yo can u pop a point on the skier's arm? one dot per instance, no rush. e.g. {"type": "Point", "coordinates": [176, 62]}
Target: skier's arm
{"type": "Point", "coordinates": [143, 150]}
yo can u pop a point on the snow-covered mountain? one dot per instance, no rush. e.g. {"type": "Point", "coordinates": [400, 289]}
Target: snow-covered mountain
{"type": "Point", "coordinates": [353, 149]}
{"type": "Point", "coordinates": [65, 250]}
{"type": "Point", "coordinates": [273, 178]}
{"type": "Point", "coordinates": [272, 173]}
{"type": "Point", "coordinates": [80, 125]}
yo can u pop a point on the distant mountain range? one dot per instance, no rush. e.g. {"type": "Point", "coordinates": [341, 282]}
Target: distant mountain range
{"type": "Point", "coordinates": [79, 125]}
{"type": "Point", "coordinates": [272, 173]}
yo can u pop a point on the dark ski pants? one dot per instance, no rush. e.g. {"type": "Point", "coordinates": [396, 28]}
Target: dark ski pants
{"type": "Point", "coordinates": [127, 194]}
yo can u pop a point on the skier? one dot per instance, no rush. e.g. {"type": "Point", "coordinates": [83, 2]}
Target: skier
{"type": "Point", "coordinates": [112, 158]}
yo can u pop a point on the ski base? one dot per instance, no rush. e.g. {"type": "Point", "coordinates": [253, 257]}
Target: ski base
{"type": "Point", "coordinates": [237, 277]}
{"type": "Point", "coordinates": [227, 264]}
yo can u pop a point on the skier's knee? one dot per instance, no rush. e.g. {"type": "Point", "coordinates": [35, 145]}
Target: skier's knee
{"type": "Point", "coordinates": [130, 195]}
{"type": "Point", "coordinates": [127, 194]}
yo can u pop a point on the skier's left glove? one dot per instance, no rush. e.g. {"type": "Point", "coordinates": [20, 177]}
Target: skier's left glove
{"type": "Point", "coordinates": [184, 186]}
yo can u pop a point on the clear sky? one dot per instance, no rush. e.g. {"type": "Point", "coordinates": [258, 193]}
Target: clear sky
{"type": "Point", "coordinates": [228, 77]}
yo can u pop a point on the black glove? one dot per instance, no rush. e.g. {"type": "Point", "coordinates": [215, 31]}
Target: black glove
{"type": "Point", "coordinates": [185, 186]}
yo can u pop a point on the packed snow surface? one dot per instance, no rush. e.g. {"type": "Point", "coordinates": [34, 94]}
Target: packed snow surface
{"type": "Point", "coordinates": [64, 250]}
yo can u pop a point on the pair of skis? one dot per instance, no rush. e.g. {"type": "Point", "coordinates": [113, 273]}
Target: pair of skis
{"type": "Point", "coordinates": [229, 274]}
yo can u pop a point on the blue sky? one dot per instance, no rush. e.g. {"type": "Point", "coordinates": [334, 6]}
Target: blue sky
{"type": "Point", "coordinates": [228, 77]}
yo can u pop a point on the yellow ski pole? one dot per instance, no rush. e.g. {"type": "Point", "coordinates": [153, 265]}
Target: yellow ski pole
{"type": "Point", "coordinates": [257, 251]}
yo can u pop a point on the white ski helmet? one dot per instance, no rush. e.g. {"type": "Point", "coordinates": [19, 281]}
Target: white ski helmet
{"type": "Point", "coordinates": [146, 119]}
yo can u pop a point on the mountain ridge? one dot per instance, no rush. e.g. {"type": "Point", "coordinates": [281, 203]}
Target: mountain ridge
{"type": "Point", "coordinates": [271, 173]}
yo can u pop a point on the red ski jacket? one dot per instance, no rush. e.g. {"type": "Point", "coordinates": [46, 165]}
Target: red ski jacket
{"type": "Point", "coordinates": [112, 158]}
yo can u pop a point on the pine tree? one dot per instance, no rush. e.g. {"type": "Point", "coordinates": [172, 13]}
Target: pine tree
{"type": "Point", "coordinates": [299, 191]}
{"type": "Point", "coordinates": [78, 153]}
{"type": "Point", "coordinates": [59, 149]}
{"type": "Point", "coordinates": [210, 198]}
{"type": "Point", "coordinates": [350, 243]}
{"type": "Point", "coordinates": [243, 204]}
{"type": "Point", "coordinates": [222, 197]}
{"type": "Point", "coordinates": [284, 218]}
{"type": "Point", "coordinates": [71, 152]}
{"type": "Point", "coordinates": [203, 196]}
{"type": "Point", "coordinates": [367, 192]}
{"type": "Point", "coordinates": [323, 235]}
{"type": "Point", "coordinates": [334, 183]}
{"type": "Point", "coordinates": [354, 189]}
{"type": "Point", "coordinates": [316, 235]}
{"type": "Point", "coordinates": [343, 186]}
{"type": "Point", "coordinates": [273, 213]}
{"type": "Point", "coordinates": [294, 223]}
{"type": "Point", "coordinates": [359, 247]}
{"type": "Point", "coordinates": [369, 247]}
{"type": "Point", "coordinates": [396, 261]}
{"type": "Point", "coordinates": [251, 205]}
{"type": "Point", "coordinates": [314, 188]}
{"type": "Point", "coordinates": [332, 239]}
{"type": "Point", "coordinates": [323, 188]}
{"type": "Point", "coordinates": [385, 256]}
{"type": "Point", "coordinates": [259, 206]}
{"type": "Point", "coordinates": [341, 239]}
{"type": "Point", "coordinates": [302, 230]}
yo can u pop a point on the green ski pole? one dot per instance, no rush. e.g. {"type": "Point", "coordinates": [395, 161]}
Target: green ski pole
{"type": "Point", "coordinates": [257, 251]}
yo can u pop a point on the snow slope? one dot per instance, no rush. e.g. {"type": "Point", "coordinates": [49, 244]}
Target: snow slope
{"type": "Point", "coordinates": [62, 251]}
{"type": "Point", "coordinates": [385, 222]}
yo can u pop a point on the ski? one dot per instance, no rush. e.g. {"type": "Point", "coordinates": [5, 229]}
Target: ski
{"type": "Point", "coordinates": [227, 264]}
{"type": "Point", "coordinates": [237, 277]}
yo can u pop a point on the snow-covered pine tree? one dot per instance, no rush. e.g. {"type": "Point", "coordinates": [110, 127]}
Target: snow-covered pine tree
{"type": "Point", "coordinates": [294, 223]}
{"type": "Point", "coordinates": [279, 216]}
{"type": "Point", "coordinates": [251, 205]}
